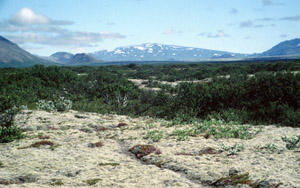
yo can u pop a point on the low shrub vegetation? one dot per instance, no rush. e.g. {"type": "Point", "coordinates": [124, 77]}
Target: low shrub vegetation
{"type": "Point", "coordinates": [291, 143]}
{"type": "Point", "coordinates": [8, 131]}
{"type": "Point", "coordinates": [218, 129]}
{"type": "Point", "coordinates": [155, 135]}
{"type": "Point", "coordinates": [233, 150]}
{"type": "Point", "coordinates": [268, 148]}
{"type": "Point", "coordinates": [246, 93]}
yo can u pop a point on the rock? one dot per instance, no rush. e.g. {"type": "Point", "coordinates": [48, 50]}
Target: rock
{"type": "Point", "coordinates": [122, 124]}
{"type": "Point", "coordinates": [86, 130]}
{"type": "Point", "coordinates": [98, 128]}
{"type": "Point", "coordinates": [209, 150]}
{"type": "Point", "coordinates": [233, 171]}
{"type": "Point", "coordinates": [142, 150]}
{"type": "Point", "coordinates": [94, 145]}
{"type": "Point", "coordinates": [80, 116]}
{"type": "Point", "coordinates": [26, 178]}
{"type": "Point", "coordinates": [72, 173]}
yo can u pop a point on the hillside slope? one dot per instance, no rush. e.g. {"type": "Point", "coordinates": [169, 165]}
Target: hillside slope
{"type": "Point", "coordinates": [289, 47]}
{"type": "Point", "coordinates": [11, 55]}
{"type": "Point", "coordinates": [66, 58]}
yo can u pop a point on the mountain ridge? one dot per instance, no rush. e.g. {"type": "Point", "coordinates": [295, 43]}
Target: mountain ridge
{"type": "Point", "coordinates": [11, 55]}
{"type": "Point", "coordinates": [160, 52]}
{"type": "Point", "coordinates": [67, 58]}
{"type": "Point", "coordinates": [288, 47]}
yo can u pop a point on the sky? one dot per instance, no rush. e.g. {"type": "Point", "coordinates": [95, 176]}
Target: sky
{"type": "Point", "coordinates": [44, 27]}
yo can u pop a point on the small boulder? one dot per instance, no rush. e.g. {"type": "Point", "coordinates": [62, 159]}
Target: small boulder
{"type": "Point", "coordinates": [95, 145]}
{"type": "Point", "coordinates": [142, 150]}
{"type": "Point", "coordinates": [80, 116]}
{"type": "Point", "coordinates": [121, 124]}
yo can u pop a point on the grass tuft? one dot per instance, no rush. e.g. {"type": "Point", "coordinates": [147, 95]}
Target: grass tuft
{"type": "Point", "coordinates": [94, 181]}
{"type": "Point", "coordinates": [109, 164]}
{"type": "Point", "coordinates": [233, 150]}
{"type": "Point", "coordinates": [57, 183]}
{"type": "Point", "coordinates": [155, 135]}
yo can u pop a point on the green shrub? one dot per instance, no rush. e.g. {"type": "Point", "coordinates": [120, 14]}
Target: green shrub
{"type": "Point", "coordinates": [155, 135]}
{"type": "Point", "coordinates": [183, 134]}
{"type": "Point", "coordinates": [271, 96]}
{"type": "Point", "coordinates": [46, 105]}
{"type": "Point", "coordinates": [60, 105]}
{"type": "Point", "coordinates": [270, 148]}
{"type": "Point", "coordinates": [233, 150]}
{"type": "Point", "coordinates": [8, 131]}
{"type": "Point", "coordinates": [290, 117]}
{"type": "Point", "coordinates": [291, 143]}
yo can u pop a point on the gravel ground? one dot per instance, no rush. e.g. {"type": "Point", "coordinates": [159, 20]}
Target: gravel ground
{"type": "Point", "coordinates": [89, 149]}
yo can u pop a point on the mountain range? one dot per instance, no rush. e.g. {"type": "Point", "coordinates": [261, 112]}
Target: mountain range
{"type": "Point", "coordinates": [11, 55]}
{"type": "Point", "coordinates": [161, 52]}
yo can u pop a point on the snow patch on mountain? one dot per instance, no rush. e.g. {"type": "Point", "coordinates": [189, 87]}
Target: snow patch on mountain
{"type": "Point", "coordinates": [118, 51]}
{"type": "Point", "coordinates": [139, 47]}
{"type": "Point", "coordinates": [159, 52]}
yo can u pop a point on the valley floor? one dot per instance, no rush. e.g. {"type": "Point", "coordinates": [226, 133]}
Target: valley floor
{"type": "Point", "coordinates": [88, 149]}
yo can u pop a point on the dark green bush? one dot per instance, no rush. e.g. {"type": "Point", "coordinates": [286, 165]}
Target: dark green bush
{"type": "Point", "coordinates": [8, 131]}
{"type": "Point", "coordinates": [271, 96]}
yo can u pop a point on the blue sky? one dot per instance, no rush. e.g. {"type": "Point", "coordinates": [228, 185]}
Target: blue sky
{"type": "Point", "coordinates": [247, 26]}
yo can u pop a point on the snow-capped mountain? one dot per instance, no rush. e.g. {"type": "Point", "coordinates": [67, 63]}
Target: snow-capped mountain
{"type": "Point", "coordinates": [161, 52]}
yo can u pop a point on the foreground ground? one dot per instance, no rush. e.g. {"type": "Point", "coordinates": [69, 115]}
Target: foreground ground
{"type": "Point", "coordinates": [88, 149]}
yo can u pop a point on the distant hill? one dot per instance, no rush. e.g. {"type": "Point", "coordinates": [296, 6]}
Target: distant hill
{"type": "Point", "coordinates": [70, 59]}
{"type": "Point", "coordinates": [11, 55]}
{"type": "Point", "coordinates": [61, 57]}
{"type": "Point", "coordinates": [289, 47]}
{"type": "Point", "coordinates": [83, 58]}
{"type": "Point", "coordinates": [161, 52]}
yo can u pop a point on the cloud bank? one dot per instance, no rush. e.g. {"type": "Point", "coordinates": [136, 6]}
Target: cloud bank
{"type": "Point", "coordinates": [27, 27]}
{"type": "Point", "coordinates": [218, 34]}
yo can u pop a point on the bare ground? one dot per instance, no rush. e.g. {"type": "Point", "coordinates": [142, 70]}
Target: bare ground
{"type": "Point", "coordinates": [73, 159]}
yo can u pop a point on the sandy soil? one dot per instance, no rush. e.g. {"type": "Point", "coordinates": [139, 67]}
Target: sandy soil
{"type": "Point", "coordinates": [73, 159]}
{"type": "Point", "coordinates": [139, 83]}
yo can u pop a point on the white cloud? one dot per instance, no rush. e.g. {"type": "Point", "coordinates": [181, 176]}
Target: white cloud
{"type": "Point", "coordinates": [27, 17]}
{"type": "Point", "coordinates": [218, 34]}
{"type": "Point", "coordinates": [251, 24]}
{"type": "Point", "coordinates": [66, 38]}
{"type": "Point", "coordinates": [29, 28]}
{"type": "Point", "coordinates": [171, 31]}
